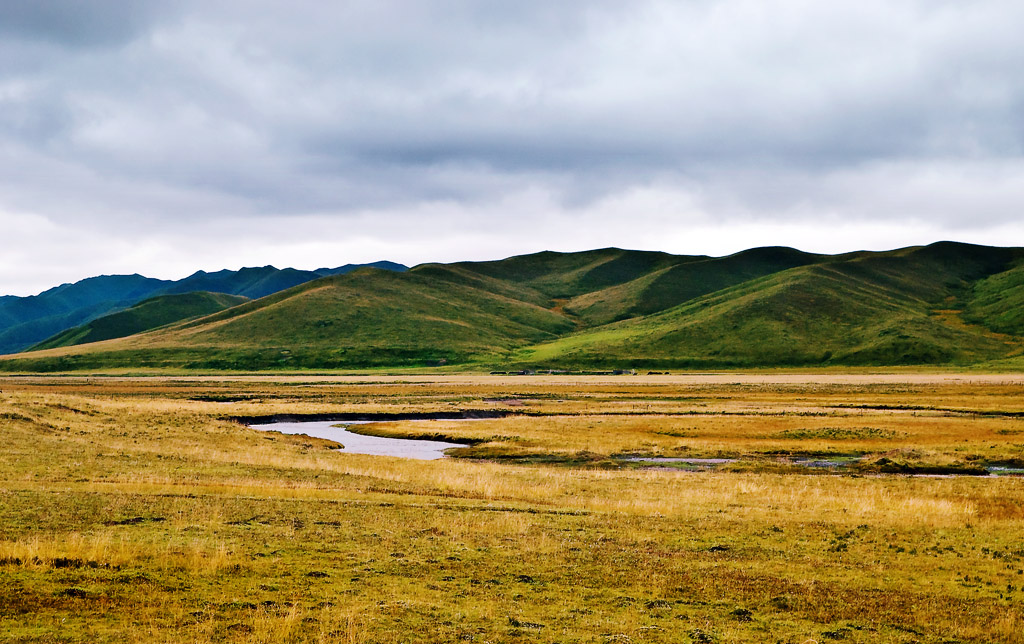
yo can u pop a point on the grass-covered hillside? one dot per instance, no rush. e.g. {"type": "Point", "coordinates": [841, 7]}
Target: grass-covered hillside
{"type": "Point", "coordinates": [998, 302]}
{"type": "Point", "coordinates": [663, 288]}
{"type": "Point", "coordinates": [31, 320]}
{"type": "Point", "coordinates": [25, 321]}
{"type": "Point", "coordinates": [148, 314]}
{"type": "Point", "coordinates": [943, 304]}
{"type": "Point", "coordinates": [366, 318]}
{"type": "Point", "coordinates": [842, 313]}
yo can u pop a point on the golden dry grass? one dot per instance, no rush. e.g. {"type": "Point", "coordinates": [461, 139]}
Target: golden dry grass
{"type": "Point", "coordinates": [131, 510]}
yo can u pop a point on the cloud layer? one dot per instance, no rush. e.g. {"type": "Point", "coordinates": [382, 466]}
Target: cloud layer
{"type": "Point", "coordinates": [172, 136]}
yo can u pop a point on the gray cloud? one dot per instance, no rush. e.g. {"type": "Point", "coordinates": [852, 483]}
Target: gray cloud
{"type": "Point", "coordinates": [77, 24]}
{"type": "Point", "coordinates": [153, 117]}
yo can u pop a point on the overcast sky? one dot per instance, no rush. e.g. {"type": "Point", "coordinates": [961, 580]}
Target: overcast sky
{"type": "Point", "coordinates": [169, 136]}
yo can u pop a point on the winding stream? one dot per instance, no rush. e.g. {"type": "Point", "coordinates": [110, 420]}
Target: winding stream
{"type": "Point", "coordinates": [337, 430]}
{"type": "Point", "coordinates": [359, 444]}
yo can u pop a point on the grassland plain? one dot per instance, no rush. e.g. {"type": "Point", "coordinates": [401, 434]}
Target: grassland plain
{"type": "Point", "coordinates": [135, 509]}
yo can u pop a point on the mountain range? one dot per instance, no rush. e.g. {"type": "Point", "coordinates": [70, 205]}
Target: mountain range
{"type": "Point", "coordinates": [943, 304]}
{"type": "Point", "coordinates": [25, 321]}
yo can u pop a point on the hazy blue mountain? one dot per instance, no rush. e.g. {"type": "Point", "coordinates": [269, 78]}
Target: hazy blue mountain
{"type": "Point", "coordinates": [253, 283]}
{"type": "Point", "coordinates": [348, 268]}
{"type": "Point", "coordinates": [25, 321]}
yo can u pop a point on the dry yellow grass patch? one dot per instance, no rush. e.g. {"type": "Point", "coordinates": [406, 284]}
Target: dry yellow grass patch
{"type": "Point", "coordinates": [203, 530]}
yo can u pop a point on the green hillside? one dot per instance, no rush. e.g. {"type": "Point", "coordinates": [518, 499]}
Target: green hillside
{"type": "Point", "coordinates": [25, 321]}
{"type": "Point", "coordinates": [666, 287]}
{"type": "Point", "coordinates": [863, 309]}
{"type": "Point", "coordinates": [998, 302]}
{"type": "Point", "coordinates": [144, 316]}
{"type": "Point", "coordinates": [565, 275]}
{"type": "Point", "coordinates": [943, 304]}
{"type": "Point", "coordinates": [28, 321]}
{"type": "Point", "coordinates": [465, 277]}
{"type": "Point", "coordinates": [367, 318]}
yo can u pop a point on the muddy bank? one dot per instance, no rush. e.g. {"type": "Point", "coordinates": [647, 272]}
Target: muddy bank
{"type": "Point", "coordinates": [465, 414]}
{"type": "Point", "coordinates": [842, 465]}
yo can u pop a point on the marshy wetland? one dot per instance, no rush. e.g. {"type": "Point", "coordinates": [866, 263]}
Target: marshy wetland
{"type": "Point", "coordinates": [143, 509]}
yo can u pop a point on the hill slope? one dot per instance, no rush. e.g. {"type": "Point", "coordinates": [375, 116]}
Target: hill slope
{"type": "Point", "coordinates": [366, 318]}
{"type": "Point", "coordinates": [879, 308]}
{"type": "Point", "coordinates": [25, 321]}
{"type": "Point", "coordinates": [940, 304]}
{"type": "Point", "coordinates": [998, 302]}
{"type": "Point", "coordinates": [664, 288]}
{"type": "Point", "coordinates": [148, 314]}
{"type": "Point", "coordinates": [565, 275]}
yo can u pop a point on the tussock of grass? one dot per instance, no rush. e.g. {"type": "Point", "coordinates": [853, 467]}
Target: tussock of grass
{"type": "Point", "coordinates": [837, 433]}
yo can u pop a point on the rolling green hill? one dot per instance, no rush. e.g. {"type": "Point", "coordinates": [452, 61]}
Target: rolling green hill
{"type": "Point", "coordinates": [27, 321]}
{"type": "Point", "coordinates": [819, 314]}
{"type": "Point", "coordinates": [366, 318]}
{"type": "Point", "coordinates": [565, 275]}
{"type": "Point", "coordinates": [148, 314]}
{"type": "Point", "coordinates": [943, 304]}
{"type": "Point", "coordinates": [998, 302]}
{"type": "Point", "coordinates": [666, 287]}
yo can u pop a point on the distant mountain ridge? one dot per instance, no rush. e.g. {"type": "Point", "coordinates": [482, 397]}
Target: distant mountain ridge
{"type": "Point", "coordinates": [942, 304]}
{"type": "Point", "coordinates": [25, 321]}
{"type": "Point", "coordinates": [255, 283]}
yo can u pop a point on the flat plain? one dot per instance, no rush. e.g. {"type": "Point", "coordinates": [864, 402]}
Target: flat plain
{"type": "Point", "coordinates": [139, 509]}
